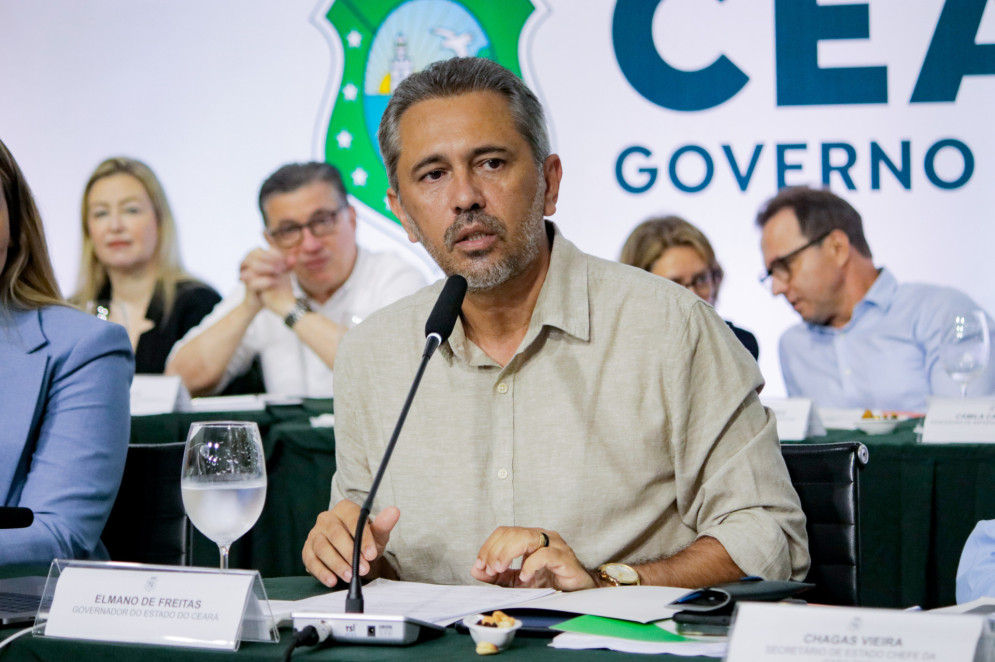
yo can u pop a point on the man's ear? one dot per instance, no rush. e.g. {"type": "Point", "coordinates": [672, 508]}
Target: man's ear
{"type": "Point", "coordinates": [395, 206]}
{"type": "Point", "coordinates": [552, 172]}
{"type": "Point", "coordinates": [839, 245]}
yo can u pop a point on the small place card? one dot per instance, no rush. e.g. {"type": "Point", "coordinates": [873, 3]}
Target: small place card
{"type": "Point", "coordinates": [158, 394]}
{"type": "Point", "coordinates": [797, 418]}
{"type": "Point", "coordinates": [765, 632]}
{"type": "Point", "coordinates": [968, 420]}
{"type": "Point", "coordinates": [137, 606]}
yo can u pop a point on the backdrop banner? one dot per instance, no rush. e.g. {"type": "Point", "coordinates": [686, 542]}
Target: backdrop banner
{"type": "Point", "coordinates": [700, 108]}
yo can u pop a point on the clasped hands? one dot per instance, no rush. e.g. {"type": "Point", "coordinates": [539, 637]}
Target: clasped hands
{"type": "Point", "coordinates": [266, 274]}
{"type": "Point", "coordinates": [327, 553]}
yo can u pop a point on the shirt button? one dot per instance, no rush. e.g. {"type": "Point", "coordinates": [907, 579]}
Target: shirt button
{"type": "Point", "coordinates": [502, 474]}
{"type": "Point", "coordinates": [502, 389]}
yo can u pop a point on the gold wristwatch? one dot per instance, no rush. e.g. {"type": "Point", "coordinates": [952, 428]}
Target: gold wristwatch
{"type": "Point", "coordinates": [619, 574]}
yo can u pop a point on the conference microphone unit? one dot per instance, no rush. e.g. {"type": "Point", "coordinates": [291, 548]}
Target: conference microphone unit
{"type": "Point", "coordinates": [354, 626]}
{"type": "Point", "coordinates": [15, 518]}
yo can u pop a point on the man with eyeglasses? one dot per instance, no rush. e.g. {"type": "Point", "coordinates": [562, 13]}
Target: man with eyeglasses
{"type": "Point", "coordinates": [299, 296]}
{"type": "Point", "coordinates": [866, 341]}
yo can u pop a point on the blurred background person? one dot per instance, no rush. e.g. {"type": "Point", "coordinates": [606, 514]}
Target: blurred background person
{"type": "Point", "coordinates": [298, 296]}
{"type": "Point", "coordinates": [673, 248]}
{"type": "Point", "coordinates": [865, 340]}
{"type": "Point", "coordinates": [64, 380]}
{"type": "Point", "coordinates": [131, 260]}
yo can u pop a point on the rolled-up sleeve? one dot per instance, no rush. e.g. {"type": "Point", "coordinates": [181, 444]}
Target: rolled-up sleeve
{"type": "Point", "coordinates": [732, 483]}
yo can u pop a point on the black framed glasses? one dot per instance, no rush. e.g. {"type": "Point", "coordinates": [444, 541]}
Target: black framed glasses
{"type": "Point", "coordinates": [780, 267]}
{"type": "Point", "coordinates": [322, 224]}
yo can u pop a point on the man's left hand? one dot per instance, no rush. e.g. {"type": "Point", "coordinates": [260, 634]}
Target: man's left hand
{"type": "Point", "coordinates": [555, 566]}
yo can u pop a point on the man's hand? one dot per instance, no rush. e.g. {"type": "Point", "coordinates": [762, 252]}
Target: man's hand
{"type": "Point", "coordinates": [327, 552]}
{"type": "Point", "coordinates": [266, 275]}
{"type": "Point", "coordinates": [555, 566]}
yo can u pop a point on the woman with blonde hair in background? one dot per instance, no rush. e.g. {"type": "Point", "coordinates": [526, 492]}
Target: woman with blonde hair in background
{"type": "Point", "coordinates": [64, 380]}
{"type": "Point", "coordinates": [673, 248]}
{"type": "Point", "coordinates": [131, 259]}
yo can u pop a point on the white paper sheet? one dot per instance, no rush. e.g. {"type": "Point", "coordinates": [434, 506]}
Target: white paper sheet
{"type": "Point", "coordinates": [575, 641]}
{"type": "Point", "coordinates": [642, 604]}
{"type": "Point", "coordinates": [434, 603]}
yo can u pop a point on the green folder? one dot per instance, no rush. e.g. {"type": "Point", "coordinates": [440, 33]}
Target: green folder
{"type": "Point", "coordinates": [613, 627]}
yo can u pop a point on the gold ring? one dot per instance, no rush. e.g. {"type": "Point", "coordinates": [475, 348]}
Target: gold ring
{"type": "Point", "coordinates": [543, 539]}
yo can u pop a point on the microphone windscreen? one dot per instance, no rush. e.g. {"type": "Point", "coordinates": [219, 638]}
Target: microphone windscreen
{"type": "Point", "coordinates": [15, 518]}
{"type": "Point", "coordinates": [447, 307]}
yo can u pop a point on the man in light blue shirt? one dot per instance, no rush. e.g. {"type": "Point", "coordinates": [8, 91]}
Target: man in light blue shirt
{"type": "Point", "coordinates": [866, 341]}
{"type": "Point", "coordinates": [976, 572]}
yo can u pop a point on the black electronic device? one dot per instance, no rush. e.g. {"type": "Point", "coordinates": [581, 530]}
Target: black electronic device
{"type": "Point", "coordinates": [12, 517]}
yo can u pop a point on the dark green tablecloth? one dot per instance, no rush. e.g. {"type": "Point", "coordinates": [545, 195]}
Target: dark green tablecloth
{"type": "Point", "coordinates": [451, 646]}
{"type": "Point", "coordinates": [300, 461]}
{"type": "Point", "coordinates": [919, 502]}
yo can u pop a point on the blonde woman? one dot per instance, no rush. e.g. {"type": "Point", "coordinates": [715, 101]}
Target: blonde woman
{"type": "Point", "coordinates": [673, 248]}
{"type": "Point", "coordinates": [64, 380]}
{"type": "Point", "coordinates": [130, 258]}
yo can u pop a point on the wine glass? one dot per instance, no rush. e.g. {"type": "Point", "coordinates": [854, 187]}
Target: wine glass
{"type": "Point", "coordinates": [966, 347]}
{"type": "Point", "coordinates": [223, 480]}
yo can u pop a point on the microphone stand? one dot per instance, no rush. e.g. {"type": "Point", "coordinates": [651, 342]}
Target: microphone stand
{"type": "Point", "coordinates": [354, 626]}
{"type": "Point", "coordinates": [354, 601]}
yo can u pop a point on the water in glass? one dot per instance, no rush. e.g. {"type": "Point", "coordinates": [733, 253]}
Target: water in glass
{"type": "Point", "coordinates": [223, 480]}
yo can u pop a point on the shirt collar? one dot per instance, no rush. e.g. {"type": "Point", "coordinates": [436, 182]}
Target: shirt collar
{"type": "Point", "coordinates": [880, 295]}
{"type": "Point", "coordinates": [563, 300]}
{"type": "Point", "coordinates": [562, 303]}
{"type": "Point", "coordinates": [882, 291]}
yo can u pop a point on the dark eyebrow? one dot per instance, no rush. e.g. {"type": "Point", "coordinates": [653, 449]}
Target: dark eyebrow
{"type": "Point", "coordinates": [477, 151]}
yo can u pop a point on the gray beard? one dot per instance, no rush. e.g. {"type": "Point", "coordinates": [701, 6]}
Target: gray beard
{"type": "Point", "coordinates": [485, 278]}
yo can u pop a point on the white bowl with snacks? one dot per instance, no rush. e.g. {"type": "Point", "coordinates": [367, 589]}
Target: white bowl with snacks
{"type": "Point", "coordinates": [492, 633]}
{"type": "Point", "coordinates": [879, 422]}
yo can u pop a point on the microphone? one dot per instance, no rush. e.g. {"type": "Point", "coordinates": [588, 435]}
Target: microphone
{"type": "Point", "coordinates": [353, 626]}
{"type": "Point", "coordinates": [15, 518]}
{"type": "Point", "coordinates": [441, 322]}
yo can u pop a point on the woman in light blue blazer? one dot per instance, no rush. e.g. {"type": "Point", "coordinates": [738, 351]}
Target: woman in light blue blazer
{"type": "Point", "coordinates": [64, 404]}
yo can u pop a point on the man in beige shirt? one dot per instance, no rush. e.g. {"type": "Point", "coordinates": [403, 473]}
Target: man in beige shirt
{"type": "Point", "coordinates": [581, 413]}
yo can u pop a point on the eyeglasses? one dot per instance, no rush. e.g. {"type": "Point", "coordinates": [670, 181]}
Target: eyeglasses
{"type": "Point", "coordinates": [780, 267]}
{"type": "Point", "coordinates": [700, 282]}
{"type": "Point", "coordinates": [322, 224]}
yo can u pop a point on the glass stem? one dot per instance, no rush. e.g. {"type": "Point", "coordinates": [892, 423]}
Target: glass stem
{"type": "Point", "coordinates": [963, 389]}
{"type": "Point", "coordinates": [224, 555]}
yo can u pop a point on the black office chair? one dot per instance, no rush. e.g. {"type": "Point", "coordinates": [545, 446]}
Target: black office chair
{"type": "Point", "coordinates": [148, 523]}
{"type": "Point", "coordinates": [826, 477]}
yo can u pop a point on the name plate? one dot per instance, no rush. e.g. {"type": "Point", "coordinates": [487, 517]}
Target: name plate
{"type": "Point", "coordinates": [139, 606]}
{"type": "Point", "coordinates": [797, 418]}
{"type": "Point", "coordinates": [158, 394]}
{"type": "Point", "coordinates": [951, 420]}
{"type": "Point", "coordinates": [764, 632]}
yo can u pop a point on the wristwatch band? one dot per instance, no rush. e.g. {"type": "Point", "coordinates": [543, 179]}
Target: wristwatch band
{"type": "Point", "coordinates": [300, 309]}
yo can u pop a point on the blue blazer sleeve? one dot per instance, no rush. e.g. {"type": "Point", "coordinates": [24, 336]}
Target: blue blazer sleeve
{"type": "Point", "coordinates": [64, 399]}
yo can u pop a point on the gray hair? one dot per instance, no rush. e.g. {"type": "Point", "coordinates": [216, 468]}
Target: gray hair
{"type": "Point", "coordinates": [453, 77]}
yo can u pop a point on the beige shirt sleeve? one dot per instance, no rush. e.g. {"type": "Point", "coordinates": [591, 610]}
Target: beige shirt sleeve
{"type": "Point", "coordinates": [732, 483]}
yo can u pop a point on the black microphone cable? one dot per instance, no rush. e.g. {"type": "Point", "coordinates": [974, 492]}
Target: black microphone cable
{"type": "Point", "coordinates": [309, 636]}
